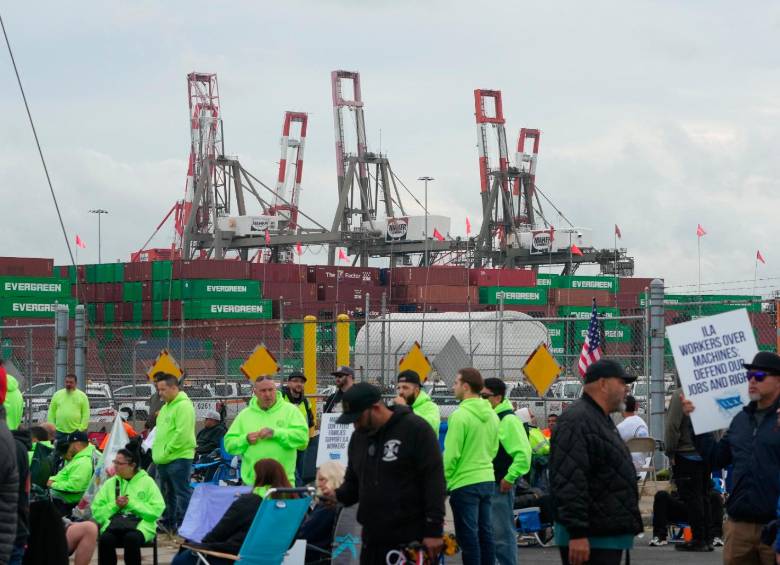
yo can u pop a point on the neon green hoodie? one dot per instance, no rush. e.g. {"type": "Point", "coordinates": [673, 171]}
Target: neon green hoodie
{"type": "Point", "coordinates": [291, 433]}
{"type": "Point", "coordinates": [425, 408]}
{"type": "Point", "coordinates": [14, 404]}
{"type": "Point", "coordinates": [69, 411]}
{"type": "Point", "coordinates": [471, 444]}
{"type": "Point", "coordinates": [144, 500]}
{"type": "Point", "coordinates": [540, 445]}
{"type": "Point", "coordinates": [514, 440]}
{"type": "Point", "coordinates": [74, 478]}
{"type": "Point", "coordinates": [175, 435]}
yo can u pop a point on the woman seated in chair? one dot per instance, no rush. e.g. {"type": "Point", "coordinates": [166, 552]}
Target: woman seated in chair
{"type": "Point", "coordinates": [319, 525]}
{"type": "Point", "coordinates": [127, 508]}
{"type": "Point", "coordinates": [229, 533]}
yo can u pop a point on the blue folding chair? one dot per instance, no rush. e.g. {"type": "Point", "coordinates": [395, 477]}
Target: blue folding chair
{"type": "Point", "coordinates": [272, 531]}
{"type": "Point", "coordinates": [218, 470]}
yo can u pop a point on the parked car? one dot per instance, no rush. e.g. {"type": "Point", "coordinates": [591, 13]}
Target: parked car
{"type": "Point", "coordinates": [233, 395]}
{"type": "Point", "coordinates": [142, 391]}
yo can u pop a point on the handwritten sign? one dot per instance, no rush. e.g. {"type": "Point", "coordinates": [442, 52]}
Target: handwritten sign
{"type": "Point", "coordinates": [334, 440]}
{"type": "Point", "coordinates": [709, 353]}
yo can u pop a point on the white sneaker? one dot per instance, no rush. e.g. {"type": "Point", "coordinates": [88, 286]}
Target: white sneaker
{"type": "Point", "coordinates": [657, 542]}
{"type": "Point", "coordinates": [717, 542]}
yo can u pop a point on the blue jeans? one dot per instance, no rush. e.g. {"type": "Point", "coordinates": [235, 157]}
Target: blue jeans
{"type": "Point", "coordinates": [504, 532]}
{"type": "Point", "coordinates": [472, 513]}
{"type": "Point", "coordinates": [17, 554]}
{"type": "Point", "coordinates": [176, 490]}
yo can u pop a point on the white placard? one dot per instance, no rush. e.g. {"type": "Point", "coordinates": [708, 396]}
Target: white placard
{"type": "Point", "coordinates": [334, 439]}
{"type": "Point", "coordinates": [709, 353]}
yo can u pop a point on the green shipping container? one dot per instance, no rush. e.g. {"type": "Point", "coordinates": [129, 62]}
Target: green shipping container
{"type": "Point", "coordinates": [611, 284]}
{"type": "Point", "coordinates": [165, 290]}
{"type": "Point", "coordinates": [132, 292]}
{"type": "Point", "coordinates": [34, 287]}
{"type": "Point", "coordinates": [530, 296]}
{"type": "Point", "coordinates": [548, 280]}
{"type": "Point", "coordinates": [584, 312]}
{"type": "Point", "coordinates": [162, 270]}
{"type": "Point", "coordinates": [692, 303]}
{"type": "Point", "coordinates": [109, 313]}
{"type": "Point", "coordinates": [218, 289]}
{"type": "Point", "coordinates": [227, 309]}
{"type": "Point", "coordinates": [555, 330]}
{"type": "Point", "coordinates": [138, 312]}
{"type": "Point", "coordinates": [612, 330]}
{"type": "Point", "coordinates": [34, 308]}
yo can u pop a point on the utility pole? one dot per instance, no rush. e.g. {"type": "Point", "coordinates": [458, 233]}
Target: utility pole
{"type": "Point", "coordinates": [99, 212]}
{"type": "Point", "coordinates": [425, 180]}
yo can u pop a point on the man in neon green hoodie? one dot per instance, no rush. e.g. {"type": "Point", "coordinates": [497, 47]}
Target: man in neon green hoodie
{"type": "Point", "coordinates": [69, 409]}
{"type": "Point", "coordinates": [410, 393]}
{"type": "Point", "coordinates": [173, 448]}
{"type": "Point", "coordinates": [470, 445]}
{"type": "Point", "coordinates": [14, 403]}
{"type": "Point", "coordinates": [68, 486]}
{"type": "Point", "coordinates": [269, 428]}
{"type": "Point", "coordinates": [512, 462]}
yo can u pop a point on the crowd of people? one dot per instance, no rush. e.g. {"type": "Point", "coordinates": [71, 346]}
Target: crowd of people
{"type": "Point", "coordinates": [397, 472]}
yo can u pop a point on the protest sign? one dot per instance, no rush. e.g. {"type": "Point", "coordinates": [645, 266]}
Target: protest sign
{"type": "Point", "coordinates": [709, 353]}
{"type": "Point", "coordinates": [334, 439]}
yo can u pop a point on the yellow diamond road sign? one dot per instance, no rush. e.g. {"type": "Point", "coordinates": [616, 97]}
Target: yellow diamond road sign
{"type": "Point", "coordinates": [165, 363]}
{"type": "Point", "coordinates": [541, 369]}
{"type": "Point", "coordinates": [260, 364]}
{"type": "Point", "coordinates": [416, 361]}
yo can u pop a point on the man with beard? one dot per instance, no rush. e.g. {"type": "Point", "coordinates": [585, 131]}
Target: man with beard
{"type": "Point", "coordinates": [411, 394]}
{"type": "Point", "coordinates": [752, 446]}
{"type": "Point", "coordinates": [395, 472]}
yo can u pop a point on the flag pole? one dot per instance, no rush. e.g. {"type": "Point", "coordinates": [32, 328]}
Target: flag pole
{"type": "Point", "coordinates": [698, 247]}
{"type": "Point", "coordinates": [616, 263]}
{"type": "Point", "coordinates": [755, 273]}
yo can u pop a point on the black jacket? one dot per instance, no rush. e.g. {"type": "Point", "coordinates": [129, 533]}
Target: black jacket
{"type": "Point", "coordinates": [9, 489]}
{"type": "Point", "coordinates": [332, 401]}
{"type": "Point", "coordinates": [208, 439]}
{"type": "Point", "coordinates": [397, 476]}
{"type": "Point", "coordinates": [592, 475]}
{"type": "Point", "coordinates": [229, 533]}
{"type": "Point", "coordinates": [23, 446]}
{"type": "Point", "coordinates": [754, 451]}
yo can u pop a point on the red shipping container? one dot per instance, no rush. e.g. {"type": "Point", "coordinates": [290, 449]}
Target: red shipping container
{"type": "Point", "coordinates": [26, 267]}
{"type": "Point", "coordinates": [211, 269]}
{"type": "Point", "coordinates": [631, 285]}
{"type": "Point", "coordinates": [171, 309]}
{"type": "Point", "coordinates": [502, 277]}
{"type": "Point", "coordinates": [363, 276]}
{"type": "Point", "coordinates": [577, 297]}
{"type": "Point", "coordinates": [344, 291]}
{"type": "Point", "coordinates": [278, 272]}
{"type": "Point", "coordinates": [147, 291]}
{"type": "Point", "coordinates": [146, 311]}
{"type": "Point", "coordinates": [137, 272]}
{"type": "Point", "coordinates": [296, 291]}
{"type": "Point", "coordinates": [450, 276]}
{"type": "Point", "coordinates": [433, 294]}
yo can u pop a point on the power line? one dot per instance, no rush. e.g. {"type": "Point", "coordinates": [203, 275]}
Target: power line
{"type": "Point", "coordinates": [37, 142]}
{"type": "Point", "coordinates": [722, 282]}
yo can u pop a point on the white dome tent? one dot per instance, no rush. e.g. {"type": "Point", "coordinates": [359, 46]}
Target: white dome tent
{"type": "Point", "coordinates": [481, 332]}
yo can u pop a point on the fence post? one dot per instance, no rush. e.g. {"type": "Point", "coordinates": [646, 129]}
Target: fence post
{"type": "Point", "coordinates": [310, 356]}
{"type": "Point", "coordinates": [29, 383]}
{"type": "Point", "coordinates": [368, 302]}
{"type": "Point", "coordinates": [281, 334]}
{"type": "Point", "coordinates": [342, 340]}
{"type": "Point", "coordinates": [61, 315]}
{"type": "Point", "coordinates": [383, 332]}
{"type": "Point", "coordinates": [657, 407]}
{"type": "Point", "coordinates": [501, 337]}
{"type": "Point", "coordinates": [80, 346]}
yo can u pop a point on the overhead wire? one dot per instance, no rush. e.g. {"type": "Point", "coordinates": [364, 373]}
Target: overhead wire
{"type": "Point", "coordinates": [37, 142]}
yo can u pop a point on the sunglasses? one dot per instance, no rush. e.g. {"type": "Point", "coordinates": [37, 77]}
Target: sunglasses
{"type": "Point", "coordinates": [486, 395]}
{"type": "Point", "coordinates": [759, 376]}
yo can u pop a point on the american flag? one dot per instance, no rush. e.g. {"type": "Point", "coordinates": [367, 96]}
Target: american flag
{"type": "Point", "coordinates": [591, 349]}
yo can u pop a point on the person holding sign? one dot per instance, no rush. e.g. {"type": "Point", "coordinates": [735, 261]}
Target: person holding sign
{"type": "Point", "coordinates": [592, 475]}
{"type": "Point", "coordinates": [411, 394]}
{"type": "Point", "coordinates": [395, 472]}
{"type": "Point", "coordinates": [752, 446]}
{"type": "Point", "coordinates": [269, 428]}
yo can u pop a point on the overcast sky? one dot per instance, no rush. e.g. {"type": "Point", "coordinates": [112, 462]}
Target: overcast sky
{"type": "Point", "coordinates": [654, 115]}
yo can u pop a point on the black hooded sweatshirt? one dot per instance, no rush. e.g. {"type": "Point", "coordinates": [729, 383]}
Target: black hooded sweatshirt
{"type": "Point", "coordinates": [23, 442]}
{"type": "Point", "coordinates": [397, 476]}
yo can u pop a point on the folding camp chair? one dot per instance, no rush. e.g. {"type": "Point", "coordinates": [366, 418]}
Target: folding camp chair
{"type": "Point", "coordinates": [206, 508]}
{"type": "Point", "coordinates": [272, 531]}
{"type": "Point", "coordinates": [644, 445]}
{"type": "Point", "coordinates": [219, 469]}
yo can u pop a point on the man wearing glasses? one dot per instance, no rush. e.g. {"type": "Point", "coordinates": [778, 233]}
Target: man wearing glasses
{"type": "Point", "coordinates": [345, 378]}
{"type": "Point", "coordinates": [752, 446]}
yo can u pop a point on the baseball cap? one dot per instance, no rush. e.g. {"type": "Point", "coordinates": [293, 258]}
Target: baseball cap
{"type": "Point", "coordinates": [606, 368]}
{"type": "Point", "coordinates": [296, 375]}
{"type": "Point", "coordinates": [409, 376]}
{"type": "Point", "coordinates": [343, 370]}
{"type": "Point", "coordinates": [78, 436]}
{"type": "Point", "coordinates": [358, 398]}
{"type": "Point", "coordinates": [213, 415]}
{"type": "Point", "coordinates": [765, 361]}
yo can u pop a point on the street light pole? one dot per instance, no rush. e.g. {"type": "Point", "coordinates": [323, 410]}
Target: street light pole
{"type": "Point", "coordinates": [99, 212]}
{"type": "Point", "coordinates": [425, 180]}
